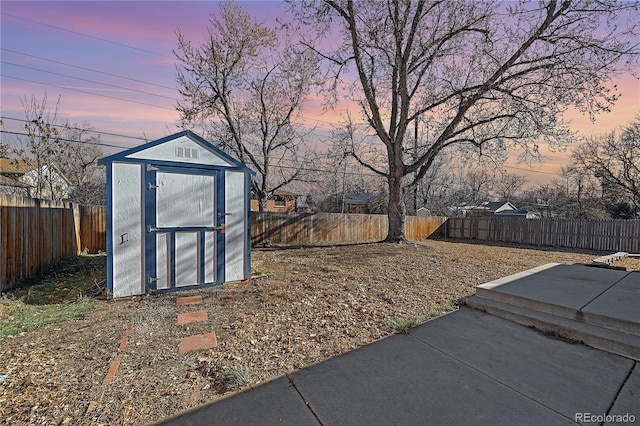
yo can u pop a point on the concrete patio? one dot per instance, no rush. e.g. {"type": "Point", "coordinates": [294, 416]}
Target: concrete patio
{"type": "Point", "coordinates": [474, 367]}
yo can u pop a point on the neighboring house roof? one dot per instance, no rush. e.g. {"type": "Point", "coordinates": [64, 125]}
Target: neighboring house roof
{"type": "Point", "coordinates": [518, 213]}
{"type": "Point", "coordinates": [7, 181]}
{"type": "Point", "coordinates": [496, 206]}
{"type": "Point", "coordinates": [493, 206]}
{"type": "Point", "coordinates": [18, 167]}
{"type": "Point", "coordinates": [45, 170]}
{"type": "Point", "coordinates": [279, 193]}
{"type": "Point", "coordinates": [359, 199]}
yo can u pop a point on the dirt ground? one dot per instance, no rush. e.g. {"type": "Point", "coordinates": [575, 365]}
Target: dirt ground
{"type": "Point", "coordinates": [307, 305]}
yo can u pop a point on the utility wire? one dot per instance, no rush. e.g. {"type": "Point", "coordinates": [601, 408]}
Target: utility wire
{"type": "Point", "coordinates": [86, 35]}
{"type": "Point", "coordinates": [306, 169]}
{"type": "Point", "coordinates": [78, 128]}
{"type": "Point", "coordinates": [530, 170]}
{"type": "Point", "coordinates": [89, 81]}
{"type": "Point", "coordinates": [87, 92]}
{"type": "Point", "coordinates": [86, 69]}
{"type": "Point", "coordinates": [70, 140]}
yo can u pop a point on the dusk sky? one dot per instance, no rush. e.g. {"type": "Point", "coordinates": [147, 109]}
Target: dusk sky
{"type": "Point", "coordinates": [112, 64]}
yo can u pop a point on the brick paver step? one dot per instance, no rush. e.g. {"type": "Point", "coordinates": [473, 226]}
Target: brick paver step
{"type": "Point", "coordinates": [198, 342]}
{"type": "Point", "coordinates": [189, 317]}
{"type": "Point", "coordinates": [191, 300]}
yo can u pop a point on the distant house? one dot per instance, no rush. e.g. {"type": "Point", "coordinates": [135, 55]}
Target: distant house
{"type": "Point", "coordinates": [280, 202]}
{"type": "Point", "coordinates": [20, 177]}
{"type": "Point", "coordinates": [499, 209]}
{"type": "Point", "coordinates": [518, 213]}
{"type": "Point", "coordinates": [10, 173]}
{"type": "Point", "coordinates": [489, 208]}
{"type": "Point", "coordinates": [358, 203]}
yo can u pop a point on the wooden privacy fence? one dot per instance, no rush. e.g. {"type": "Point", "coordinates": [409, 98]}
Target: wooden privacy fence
{"type": "Point", "coordinates": [332, 228]}
{"type": "Point", "coordinates": [602, 235]}
{"type": "Point", "coordinates": [36, 233]}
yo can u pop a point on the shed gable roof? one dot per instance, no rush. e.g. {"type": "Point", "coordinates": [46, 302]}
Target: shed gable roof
{"type": "Point", "coordinates": [182, 147]}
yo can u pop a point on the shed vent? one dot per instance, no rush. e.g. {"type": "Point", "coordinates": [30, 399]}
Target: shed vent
{"type": "Point", "coordinates": [187, 152]}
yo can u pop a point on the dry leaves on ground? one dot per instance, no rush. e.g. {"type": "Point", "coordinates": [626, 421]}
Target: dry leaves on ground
{"type": "Point", "coordinates": [307, 305]}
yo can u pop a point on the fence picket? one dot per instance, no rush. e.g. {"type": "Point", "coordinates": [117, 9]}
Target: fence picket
{"type": "Point", "coordinates": [601, 235]}
{"type": "Point", "coordinates": [34, 233]}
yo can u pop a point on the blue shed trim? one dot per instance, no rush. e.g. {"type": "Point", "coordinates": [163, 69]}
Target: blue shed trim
{"type": "Point", "coordinates": [109, 231]}
{"type": "Point", "coordinates": [149, 239]}
{"type": "Point", "coordinates": [221, 206]}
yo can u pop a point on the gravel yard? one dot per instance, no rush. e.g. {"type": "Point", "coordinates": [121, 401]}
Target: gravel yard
{"type": "Point", "coordinates": [304, 306]}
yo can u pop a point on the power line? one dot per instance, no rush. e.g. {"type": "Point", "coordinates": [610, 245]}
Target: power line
{"type": "Point", "coordinates": [87, 92]}
{"type": "Point", "coordinates": [78, 128]}
{"type": "Point", "coordinates": [89, 81]}
{"type": "Point", "coordinates": [530, 170]}
{"type": "Point", "coordinates": [86, 69]}
{"type": "Point", "coordinates": [306, 169]}
{"type": "Point", "coordinates": [87, 35]}
{"type": "Point", "coordinates": [69, 140]}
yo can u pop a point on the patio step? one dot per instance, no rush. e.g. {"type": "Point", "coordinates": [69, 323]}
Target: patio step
{"type": "Point", "coordinates": [595, 331]}
{"type": "Point", "coordinates": [579, 315]}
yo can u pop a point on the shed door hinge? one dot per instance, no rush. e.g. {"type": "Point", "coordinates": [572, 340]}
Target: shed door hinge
{"type": "Point", "coordinates": [151, 280]}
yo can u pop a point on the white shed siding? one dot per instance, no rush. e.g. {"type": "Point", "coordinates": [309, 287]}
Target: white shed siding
{"type": "Point", "coordinates": [127, 229]}
{"type": "Point", "coordinates": [235, 236]}
{"type": "Point", "coordinates": [162, 261]}
{"type": "Point", "coordinates": [187, 263]}
{"type": "Point", "coordinates": [182, 150]}
{"type": "Point", "coordinates": [184, 200]}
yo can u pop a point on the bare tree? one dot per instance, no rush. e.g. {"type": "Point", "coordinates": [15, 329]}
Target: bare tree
{"type": "Point", "coordinates": [582, 193]}
{"type": "Point", "coordinates": [481, 75]}
{"type": "Point", "coordinates": [245, 88]}
{"type": "Point", "coordinates": [38, 148]}
{"type": "Point", "coordinates": [60, 159]}
{"type": "Point", "coordinates": [615, 160]}
{"type": "Point", "coordinates": [78, 156]}
{"type": "Point", "coordinates": [509, 185]}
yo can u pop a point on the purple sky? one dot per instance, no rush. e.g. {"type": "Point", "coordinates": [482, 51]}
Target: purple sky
{"type": "Point", "coordinates": [69, 48]}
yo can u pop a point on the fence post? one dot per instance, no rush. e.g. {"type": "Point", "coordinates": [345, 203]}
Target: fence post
{"type": "Point", "coordinates": [77, 226]}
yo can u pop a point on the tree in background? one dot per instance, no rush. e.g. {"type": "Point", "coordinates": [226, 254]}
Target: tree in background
{"type": "Point", "coordinates": [244, 86]}
{"type": "Point", "coordinates": [482, 76]}
{"type": "Point", "coordinates": [39, 149]}
{"type": "Point", "coordinates": [581, 193]}
{"type": "Point", "coordinates": [509, 186]}
{"type": "Point", "coordinates": [614, 159]}
{"type": "Point", "coordinates": [79, 154]}
{"type": "Point", "coordinates": [60, 159]}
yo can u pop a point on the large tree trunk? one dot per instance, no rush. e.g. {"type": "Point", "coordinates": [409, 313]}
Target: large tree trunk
{"type": "Point", "coordinates": [397, 211]}
{"type": "Point", "coordinates": [262, 201]}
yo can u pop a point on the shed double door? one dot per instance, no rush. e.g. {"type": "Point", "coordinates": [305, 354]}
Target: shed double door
{"type": "Point", "coordinates": [184, 223]}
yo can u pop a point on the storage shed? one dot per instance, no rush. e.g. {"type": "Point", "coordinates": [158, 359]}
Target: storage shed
{"type": "Point", "coordinates": [178, 212]}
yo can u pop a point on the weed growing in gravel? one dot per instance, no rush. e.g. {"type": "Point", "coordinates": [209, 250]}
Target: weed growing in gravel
{"type": "Point", "coordinates": [227, 377]}
{"type": "Point", "coordinates": [237, 377]}
{"type": "Point", "coordinates": [401, 325]}
{"type": "Point", "coordinates": [17, 317]}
